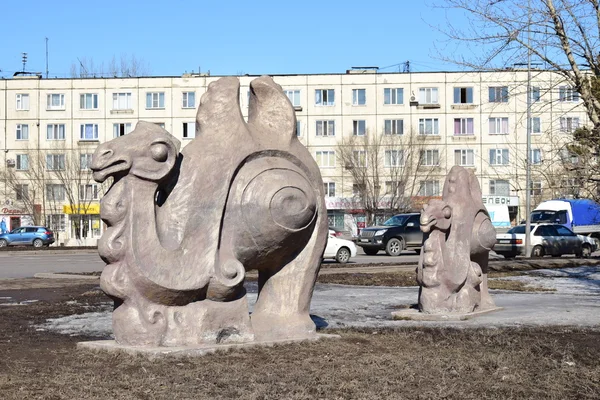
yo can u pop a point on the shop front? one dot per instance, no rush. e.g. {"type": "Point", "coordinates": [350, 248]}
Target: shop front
{"type": "Point", "coordinates": [12, 217]}
{"type": "Point", "coordinates": [85, 225]}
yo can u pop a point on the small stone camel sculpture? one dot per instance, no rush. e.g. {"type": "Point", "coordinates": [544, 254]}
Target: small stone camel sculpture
{"type": "Point", "coordinates": [452, 270]}
{"type": "Point", "coordinates": [184, 227]}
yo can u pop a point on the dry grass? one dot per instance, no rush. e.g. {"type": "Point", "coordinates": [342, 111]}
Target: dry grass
{"type": "Point", "coordinates": [541, 363]}
{"type": "Point", "coordinates": [405, 278]}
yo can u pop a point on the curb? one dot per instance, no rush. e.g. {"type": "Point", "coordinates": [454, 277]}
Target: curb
{"type": "Point", "coordinates": [51, 275]}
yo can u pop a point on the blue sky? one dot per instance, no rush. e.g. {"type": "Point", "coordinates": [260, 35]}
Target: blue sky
{"type": "Point", "coordinates": [226, 37]}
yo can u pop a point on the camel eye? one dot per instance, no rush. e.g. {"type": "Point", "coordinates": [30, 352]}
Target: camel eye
{"type": "Point", "coordinates": [447, 212]}
{"type": "Point", "coordinates": [159, 152]}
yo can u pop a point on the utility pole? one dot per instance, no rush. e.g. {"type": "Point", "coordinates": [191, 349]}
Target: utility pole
{"type": "Point", "coordinates": [528, 158]}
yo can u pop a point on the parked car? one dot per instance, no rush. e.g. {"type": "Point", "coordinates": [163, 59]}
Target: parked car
{"type": "Point", "coordinates": [36, 236]}
{"type": "Point", "coordinates": [546, 239]}
{"type": "Point", "coordinates": [340, 233]}
{"type": "Point", "coordinates": [340, 250]}
{"type": "Point", "coordinates": [401, 232]}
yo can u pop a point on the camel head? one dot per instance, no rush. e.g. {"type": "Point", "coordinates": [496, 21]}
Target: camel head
{"type": "Point", "coordinates": [149, 153]}
{"type": "Point", "coordinates": [437, 213]}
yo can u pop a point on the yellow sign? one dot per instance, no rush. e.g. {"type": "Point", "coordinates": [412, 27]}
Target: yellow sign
{"type": "Point", "coordinates": [82, 209]}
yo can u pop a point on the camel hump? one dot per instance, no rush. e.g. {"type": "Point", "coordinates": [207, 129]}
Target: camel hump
{"type": "Point", "coordinates": [270, 111]}
{"type": "Point", "coordinates": [219, 115]}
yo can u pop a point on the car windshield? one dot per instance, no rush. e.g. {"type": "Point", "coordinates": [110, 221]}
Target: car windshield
{"type": "Point", "coordinates": [517, 229]}
{"type": "Point", "coordinates": [396, 220]}
{"type": "Point", "coordinates": [538, 216]}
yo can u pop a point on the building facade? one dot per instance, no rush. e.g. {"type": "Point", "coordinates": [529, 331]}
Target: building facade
{"type": "Point", "coordinates": [50, 127]}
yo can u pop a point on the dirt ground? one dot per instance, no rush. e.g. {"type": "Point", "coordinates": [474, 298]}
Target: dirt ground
{"type": "Point", "coordinates": [548, 363]}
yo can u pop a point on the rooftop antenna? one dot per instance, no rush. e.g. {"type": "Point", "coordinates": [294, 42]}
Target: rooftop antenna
{"type": "Point", "coordinates": [24, 60]}
{"type": "Point", "coordinates": [46, 58]}
{"type": "Point", "coordinates": [406, 66]}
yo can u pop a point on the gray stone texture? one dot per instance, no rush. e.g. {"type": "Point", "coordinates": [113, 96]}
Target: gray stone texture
{"type": "Point", "coordinates": [184, 227]}
{"type": "Point", "coordinates": [453, 267]}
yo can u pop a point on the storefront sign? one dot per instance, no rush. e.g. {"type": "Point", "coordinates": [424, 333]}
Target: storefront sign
{"type": "Point", "coordinates": [501, 200]}
{"type": "Point", "coordinates": [12, 211]}
{"type": "Point", "coordinates": [82, 209]}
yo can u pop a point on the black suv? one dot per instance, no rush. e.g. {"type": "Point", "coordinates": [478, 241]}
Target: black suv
{"type": "Point", "coordinates": [401, 232]}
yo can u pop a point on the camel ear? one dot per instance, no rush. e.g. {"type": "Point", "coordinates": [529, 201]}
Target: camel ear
{"type": "Point", "coordinates": [157, 161]}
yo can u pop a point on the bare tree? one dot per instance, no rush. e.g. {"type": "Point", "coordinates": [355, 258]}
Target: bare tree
{"type": "Point", "coordinates": [386, 171]}
{"type": "Point", "coordinates": [24, 183]}
{"type": "Point", "coordinates": [563, 35]}
{"type": "Point", "coordinates": [126, 66]}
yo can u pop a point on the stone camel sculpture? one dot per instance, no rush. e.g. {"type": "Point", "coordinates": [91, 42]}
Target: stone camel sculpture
{"type": "Point", "coordinates": [453, 267]}
{"type": "Point", "coordinates": [184, 227]}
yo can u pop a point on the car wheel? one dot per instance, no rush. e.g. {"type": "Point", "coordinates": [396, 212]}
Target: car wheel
{"type": "Point", "coordinates": [370, 252]}
{"type": "Point", "coordinates": [38, 243]}
{"type": "Point", "coordinates": [537, 251]}
{"type": "Point", "coordinates": [586, 251]}
{"type": "Point", "coordinates": [394, 247]}
{"type": "Point", "coordinates": [3, 243]}
{"type": "Point", "coordinates": [343, 255]}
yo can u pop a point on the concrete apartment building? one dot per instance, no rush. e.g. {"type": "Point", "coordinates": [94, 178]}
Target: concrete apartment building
{"type": "Point", "coordinates": [50, 127]}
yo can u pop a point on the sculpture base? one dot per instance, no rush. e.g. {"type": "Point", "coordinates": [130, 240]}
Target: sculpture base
{"type": "Point", "coordinates": [190, 351]}
{"type": "Point", "coordinates": [412, 314]}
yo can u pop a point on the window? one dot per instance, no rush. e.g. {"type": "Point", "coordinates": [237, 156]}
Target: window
{"type": "Point", "coordinates": [22, 132]}
{"type": "Point", "coordinates": [88, 132]}
{"type": "Point", "coordinates": [358, 189]}
{"type": "Point", "coordinates": [88, 192]}
{"type": "Point", "coordinates": [55, 132]}
{"type": "Point", "coordinates": [161, 124]}
{"type": "Point", "coordinates": [121, 101]}
{"type": "Point", "coordinates": [189, 100]}
{"type": "Point", "coordinates": [55, 192]}
{"type": "Point", "coordinates": [155, 100]}
{"type": "Point", "coordinates": [429, 158]}
{"type": "Point", "coordinates": [463, 95]}
{"type": "Point", "coordinates": [88, 101]}
{"type": "Point", "coordinates": [499, 157]}
{"type": "Point", "coordinates": [22, 162]}
{"type": "Point", "coordinates": [568, 157]}
{"type": "Point", "coordinates": [393, 126]}
{"type": "Point", "coordinates": [464, 157]}
{"type": "Point", "coordinates": [189, 130]}
{"type": "Point", "coordinates": [498, 94]}
{"type": "Point", "coordinates": [498, 126]}
{"type": "Point", "coordinates": [394, 158]}
{"type": "Point", "coordinates": [329, 188]}
{"type": "Point", "coordinates": [55, 162]}
{"type": "Point", "coordinates": [326, 158]}
{"type": "Point", "coordinates": [22, 191]}
{"type": "Point", "coordinates": [428, 95]}
{"type": "Point", "coordinates": [429, 126]}
{"type": "Point", "coordinates": [324, 97]}
{"type": "Point", "coordinates": [294, 96]}
{"type": "Point", "coordinates": [535, 156]}
{"type": "Point", "coordinates": [394, 188]}
{"type": "Point", "coordinates": [55, 101]}
{"type": "Point", "coordinates": [463, 126]}
{"type": "Point", "coordinates": [569, 124]}
{"type": "Point", "coordinates": [567, 93]}
{"type": "Point", "coordinates": [535, 188]}
{"type": "Point", "coordinates": [536, 126]}
{"type": "Point", "coordinates": [429, 188]}
{"type": "Point", "coordinates": [570, 187]}
{"type": "Point", "coordinates": [121, 129]}
{"type": "Point", "coordinates": [85, 160]}
{"type": "Point", "coordinates": [535, 94]}
{"type": "Point", "coordinates": [22, 102]}
{"type": "Point", "coordinates": [298, 128]}
{"type": "Point", "coordinates": [359, 158]}
{"type": "Point", "coordinates": [499, 187]}
{"type": "Point", "coordinates": [326, 128]}
{"type": "Point", "coordinates": [56, 222]}
{"type": "Point", "coordinates": [393, 96]}
{"type": "Point", "coordinates": [359, 127]}
{"type": "Point", "coordinates": [359, 97]}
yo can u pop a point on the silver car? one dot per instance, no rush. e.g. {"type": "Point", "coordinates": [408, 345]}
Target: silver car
{"type": "Point", "coordinates": [546, 239]}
